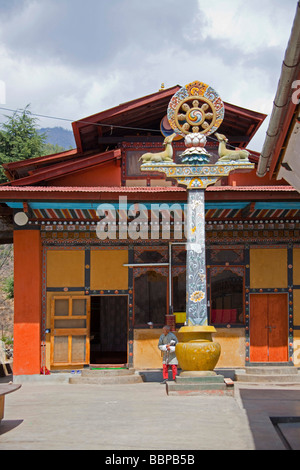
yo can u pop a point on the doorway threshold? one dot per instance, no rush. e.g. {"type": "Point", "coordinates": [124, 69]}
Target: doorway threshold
{"type": "Point", "coordinates": [270, 364]}
{"type": "Point", "coordinates": [108, 366]}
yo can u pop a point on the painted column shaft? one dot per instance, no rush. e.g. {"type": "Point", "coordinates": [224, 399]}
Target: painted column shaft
{"type": "Point", "coordinates": [27, 302]}
{"type": "Point", "coordinates": [196, 264]}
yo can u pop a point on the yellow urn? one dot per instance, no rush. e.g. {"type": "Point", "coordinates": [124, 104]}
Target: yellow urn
{"type": "Point", "coordinates": [196, 351]}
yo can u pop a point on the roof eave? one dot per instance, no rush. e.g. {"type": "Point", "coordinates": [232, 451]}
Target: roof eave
{"type": "Point", "coordinates": [283, 106]}
{"type": "Point", "coordinates": [121, 108]}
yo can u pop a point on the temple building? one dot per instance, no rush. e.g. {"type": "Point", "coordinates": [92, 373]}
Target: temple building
{"type": "Point", "coordinates": [99, 248]}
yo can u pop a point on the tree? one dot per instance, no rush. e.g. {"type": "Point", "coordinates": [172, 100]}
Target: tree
{"type": "Point", "coordinates": [8, 287]}
{"type": "Point", "coordinates": [50, 149]}
{"type": "Point", "coordinates": [19, 139]}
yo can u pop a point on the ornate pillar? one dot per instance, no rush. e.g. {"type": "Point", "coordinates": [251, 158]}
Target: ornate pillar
{"type": "Point", "coordinates": [195, 111]}
{"type": "Point", "coordinates": [196, 300]}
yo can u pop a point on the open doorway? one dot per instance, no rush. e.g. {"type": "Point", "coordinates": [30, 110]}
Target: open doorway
{"type": "Point", "coordinates": [108, 331]}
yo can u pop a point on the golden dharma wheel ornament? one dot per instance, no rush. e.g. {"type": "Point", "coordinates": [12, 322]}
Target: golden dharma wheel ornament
{"type": "Point", "coordinates": [195, 108]}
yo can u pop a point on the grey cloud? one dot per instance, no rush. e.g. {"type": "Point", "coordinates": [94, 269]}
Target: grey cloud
{"type": "Point", "coordinates": [96, 31]}
{"type": "Point", "coordinates": [268, 60]}
{"type": "Point", "coordinates": [99, 35]}
{"type": "Point", "coordinates": [8, 7]}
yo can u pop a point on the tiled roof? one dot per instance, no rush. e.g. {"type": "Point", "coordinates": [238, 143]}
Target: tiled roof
{"type": "Point", "coordinates": [139, 189]}
{"type": "Point", "coordinates": [87, 189]}
{"type": "Point", "coordinates": [251, 188]}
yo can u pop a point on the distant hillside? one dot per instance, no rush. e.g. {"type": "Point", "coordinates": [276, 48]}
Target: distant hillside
{"type": "Point", "coordinates": [59, 136]}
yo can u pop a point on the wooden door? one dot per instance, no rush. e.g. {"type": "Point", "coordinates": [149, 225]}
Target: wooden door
{"type": "Point", "coordinates": [70, 323]}
{"type": "Point", "coordinates": [268, 328]}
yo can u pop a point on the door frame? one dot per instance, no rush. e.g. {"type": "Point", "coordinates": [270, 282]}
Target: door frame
{"type": "Point", "coordinates": [127, 319]}
{"type": "Point", "coordinates": [263, 331]}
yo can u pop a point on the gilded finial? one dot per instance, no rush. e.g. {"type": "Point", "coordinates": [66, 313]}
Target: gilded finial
{"type": "Point", "coordinates": [162, 87]}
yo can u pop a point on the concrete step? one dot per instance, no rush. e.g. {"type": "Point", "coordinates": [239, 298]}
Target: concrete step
{"type": "Point", "coordinates": [283, 375]}
{"type": "Point", "coordinates": [106, 376]}
{"type": "Point", "coordinates": [196, 385]}
{"type": "Point", "coordinates": [209, 388]}
{"type": "Point", "coordinates": [214, 379]}
{"type": "Point", "coordinates": [272, 370]}
{"type": "Point", "coordinates": [106, 372]}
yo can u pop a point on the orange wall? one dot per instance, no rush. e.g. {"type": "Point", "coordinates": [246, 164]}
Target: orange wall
{"type": "Point", "coordinates": [27, 302]}
{"type": "Point", "coordinates": [104, 175]}
{"type": "Point", "coordinates": [148, 356]}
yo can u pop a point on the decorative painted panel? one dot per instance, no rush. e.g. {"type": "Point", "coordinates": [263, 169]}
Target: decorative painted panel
{"type": "Point", "coordinates": [65, 268]}
{"type": "Point", "coordinates": [107, 270]}
{"type": "Point", "coordinates": [296, 266]}
{"type": "Point", "coordinates": [196, 263]}
{"type": "Point", "coordinates": [268, 268]}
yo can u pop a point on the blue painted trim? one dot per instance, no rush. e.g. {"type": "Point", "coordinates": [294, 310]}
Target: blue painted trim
{"type": "Point", "coordinates": [92, 205]}
{"type": "Point", "coordinates": [208, 205]}
{"type": "Point", "coordinates": [277, 205]}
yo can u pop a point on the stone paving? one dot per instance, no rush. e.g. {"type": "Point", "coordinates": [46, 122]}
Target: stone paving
{"type": "Point", "coordinates": [135, 417]}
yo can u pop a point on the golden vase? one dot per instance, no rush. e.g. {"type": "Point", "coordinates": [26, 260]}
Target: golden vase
{"type": "Point", "coordinates": [196, 350]}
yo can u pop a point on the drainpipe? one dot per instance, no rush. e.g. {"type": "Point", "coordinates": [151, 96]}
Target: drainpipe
{"type": "Point", "coordinates": [289, 72]}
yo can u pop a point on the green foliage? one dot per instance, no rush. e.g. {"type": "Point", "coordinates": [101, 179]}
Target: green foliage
{"type": "Point", "coordinates": [7, 340]}
{"type": "Point", "coordinates": [8, 287]}
{"type": "Point", "coordinates": [19, 139]}
{"type": "Point", "coordinates": [51, 149]}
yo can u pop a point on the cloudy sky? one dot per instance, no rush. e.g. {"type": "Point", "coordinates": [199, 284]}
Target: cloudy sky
{"type": "Point", "coordinates": [71, 59]}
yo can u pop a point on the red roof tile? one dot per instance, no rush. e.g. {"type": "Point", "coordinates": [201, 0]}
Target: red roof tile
{"type": "Point", "coordinates": [135, 189]}
{"type": "Point", "coordinates": [251, 188]}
